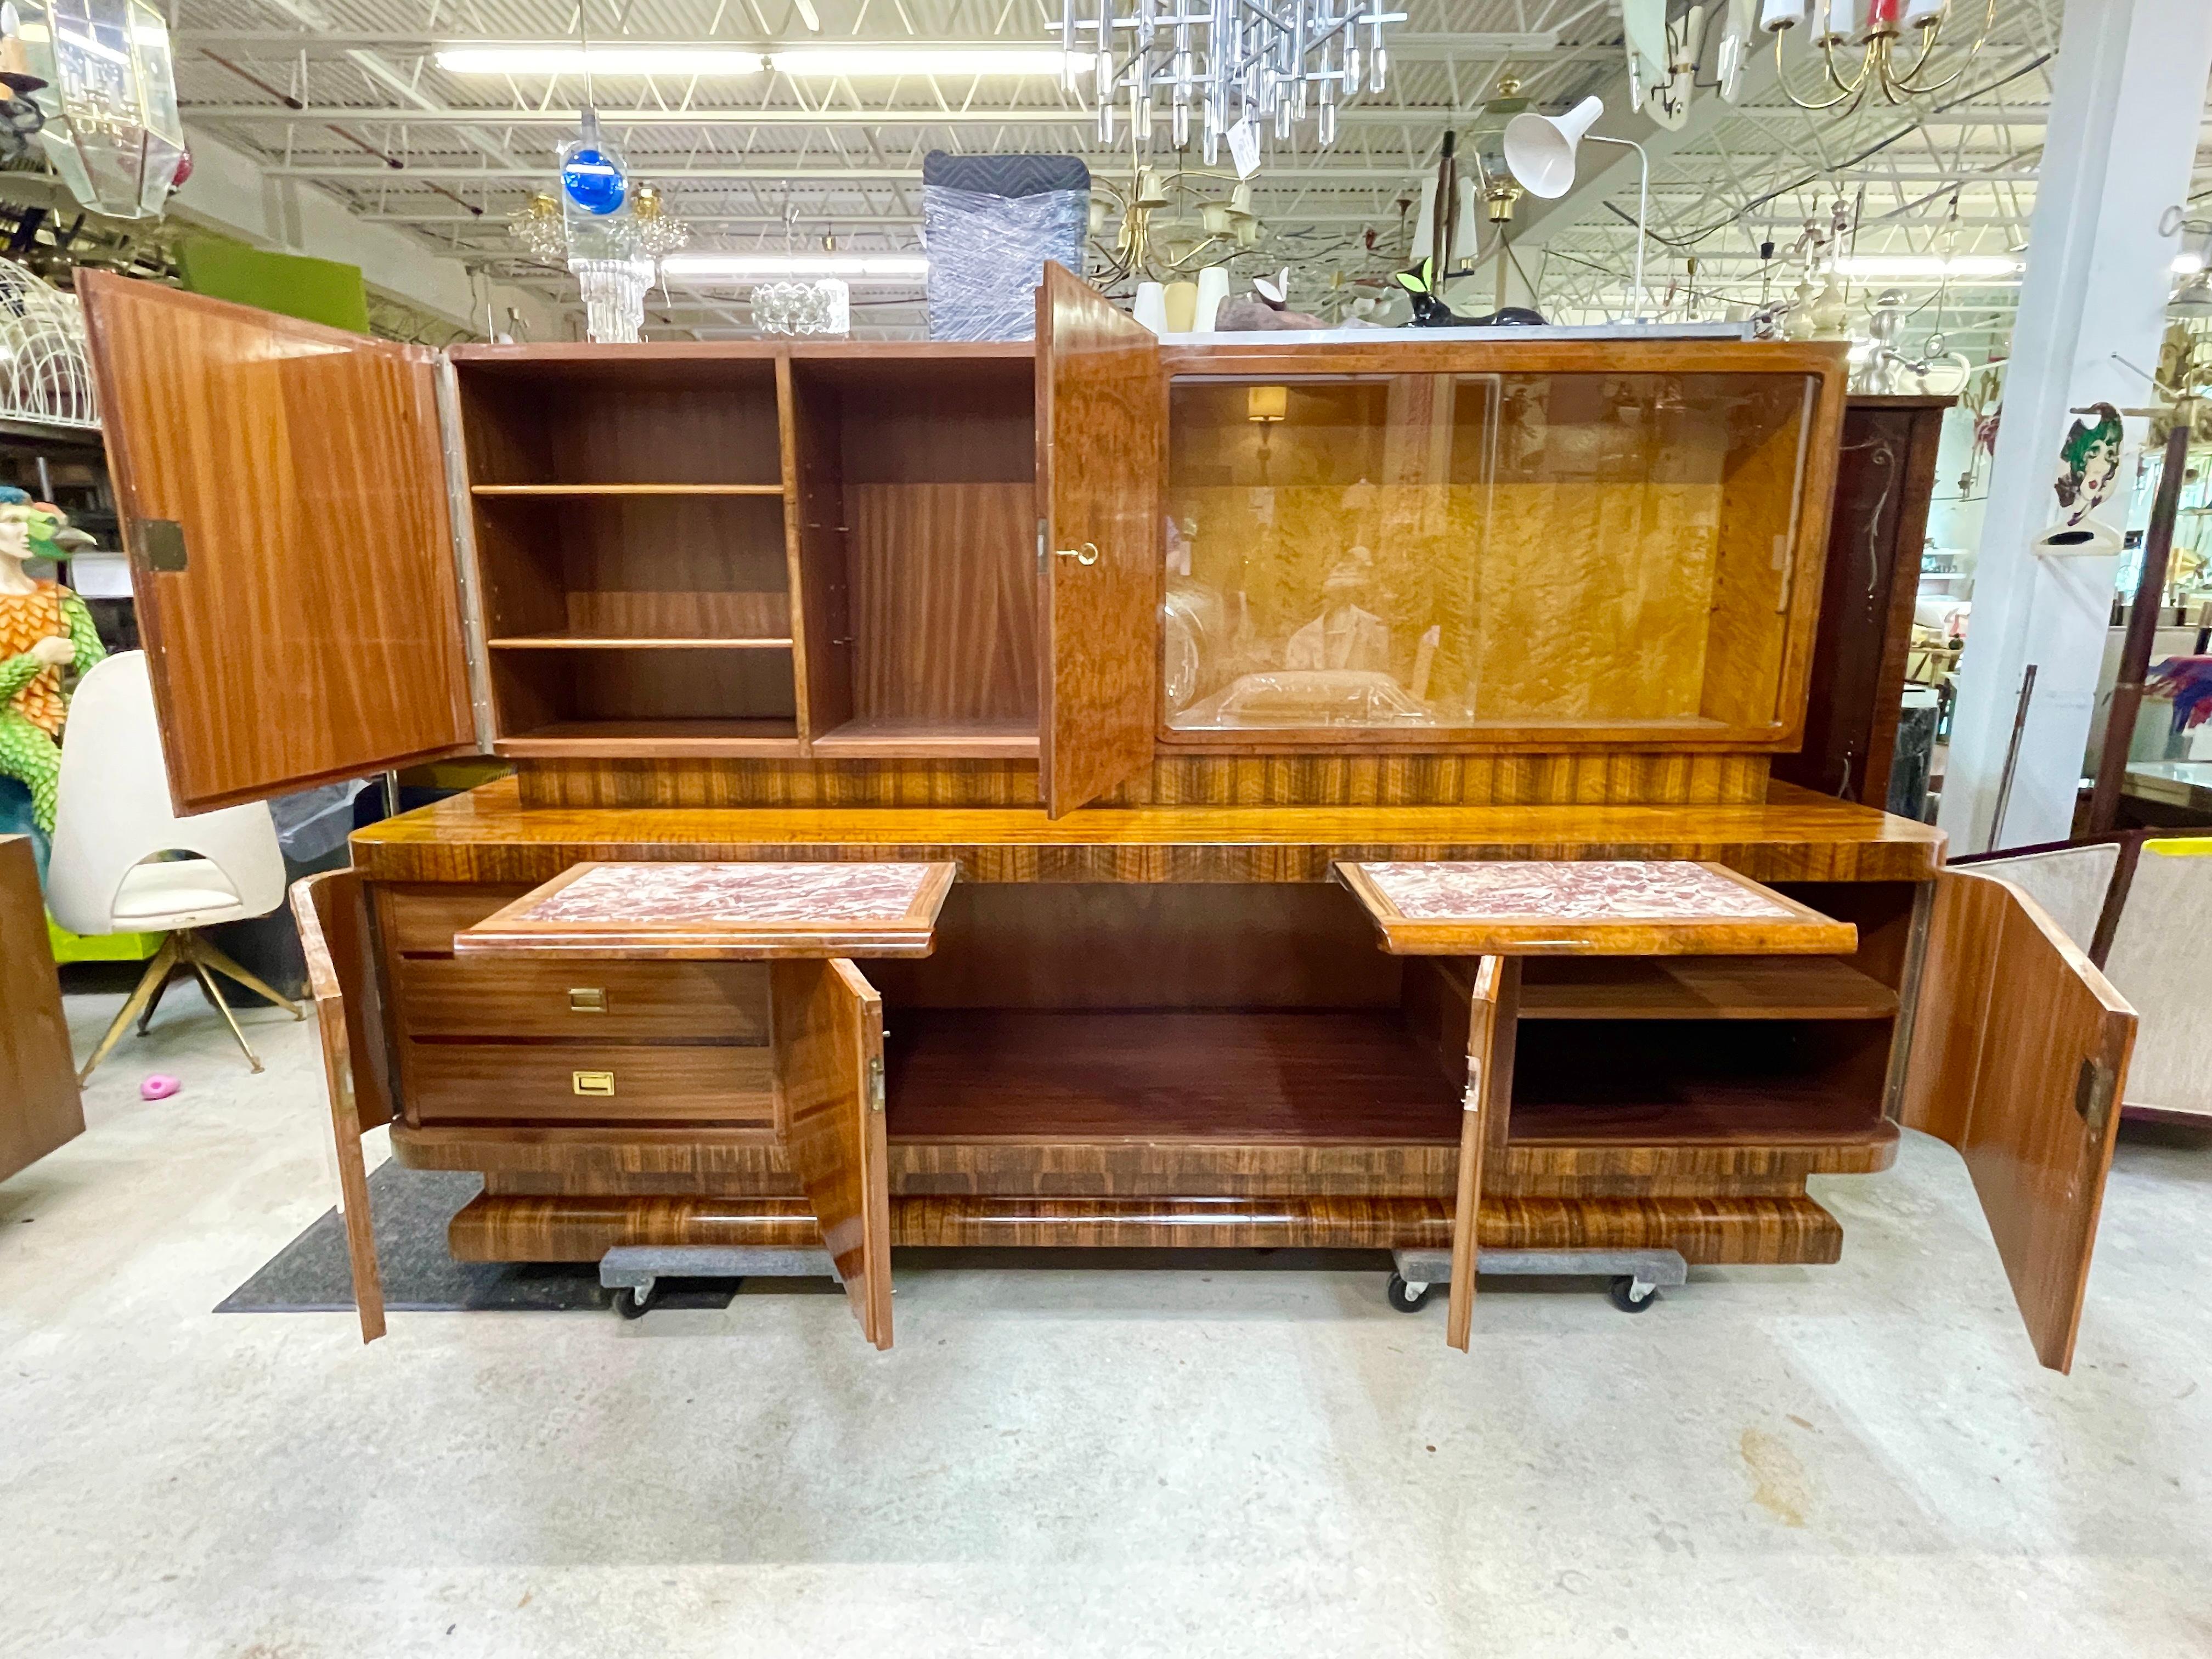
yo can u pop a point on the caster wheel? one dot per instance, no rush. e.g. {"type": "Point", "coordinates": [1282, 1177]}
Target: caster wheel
{"type": "Point", "coordinates": [1405, 1297]}
{"type": "Point", "coordinates": [634, 1303]}
{"type": "Point", "coordinates": [1622, 1294]}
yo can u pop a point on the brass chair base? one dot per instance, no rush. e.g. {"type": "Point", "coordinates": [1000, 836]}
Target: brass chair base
{"type": "Point", "coordinates": [186, 948]}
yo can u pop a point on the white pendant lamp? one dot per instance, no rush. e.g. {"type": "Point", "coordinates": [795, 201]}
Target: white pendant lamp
{"type": "Point", "coordinates": [1539, 152]}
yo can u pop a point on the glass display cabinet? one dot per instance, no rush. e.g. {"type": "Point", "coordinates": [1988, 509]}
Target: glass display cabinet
{"type": "Point", "coordinates": [1439, 557]}
{"type": "Point", "coordinates": [1146, 641]}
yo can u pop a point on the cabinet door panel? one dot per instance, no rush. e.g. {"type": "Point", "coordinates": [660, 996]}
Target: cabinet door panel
{"type": "Point", "coordinates": [828, 1032]}
{"type": "Point", "coordinates": [1102, 410]}
{"type": "Point", "coordinates": [283, 491]}
{"type": "Point", "coordinates": [333, 912]}
{"type": "Point", "coordinates": [2020, 1054]}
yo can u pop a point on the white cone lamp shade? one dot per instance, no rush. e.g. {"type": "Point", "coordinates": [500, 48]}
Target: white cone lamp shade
{"type": "Point", "coordinates": [1540, 149]}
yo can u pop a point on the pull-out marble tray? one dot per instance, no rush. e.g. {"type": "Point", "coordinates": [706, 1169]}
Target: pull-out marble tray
{"type": "Point", "coordinates": [703, 912]}
{"type": "Point", "coordinates": [1597, 907]}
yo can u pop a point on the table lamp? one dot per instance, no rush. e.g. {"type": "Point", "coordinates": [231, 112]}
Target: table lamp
{"type": "Point", "coordinates": [1539, 152]}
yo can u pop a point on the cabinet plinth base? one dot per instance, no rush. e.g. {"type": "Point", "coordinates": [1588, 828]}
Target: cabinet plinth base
{"type": "Point", "coordinates": [1763, 1228]}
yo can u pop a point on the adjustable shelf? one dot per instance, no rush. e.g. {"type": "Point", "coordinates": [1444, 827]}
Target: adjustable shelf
{"type": "Point", "coordinates": [1701, 987]}
{"type": "Point", "coordinates": [628, 490]}
{"type": "Point", "coordinates": [654, 739]}
{"type": "Point", "coordinates": [578, 641]}
{"type": "Point", "coordinates": [1010, 737]}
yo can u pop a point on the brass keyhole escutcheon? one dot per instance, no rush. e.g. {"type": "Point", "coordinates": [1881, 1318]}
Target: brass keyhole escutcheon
{"type": "Point", "coordinates": [1085, 555]}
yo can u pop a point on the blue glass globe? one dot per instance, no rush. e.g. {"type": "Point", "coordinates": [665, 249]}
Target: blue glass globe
{"type": "Point", "coordinates": [594, 181]}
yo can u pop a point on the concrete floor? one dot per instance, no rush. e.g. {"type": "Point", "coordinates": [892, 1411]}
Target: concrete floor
{"type": "Point", "coordinates": [1239, 1460]}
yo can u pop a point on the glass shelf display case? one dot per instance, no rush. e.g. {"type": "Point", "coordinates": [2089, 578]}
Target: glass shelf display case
{"type": "Point", "coordinates": [1426, 555]}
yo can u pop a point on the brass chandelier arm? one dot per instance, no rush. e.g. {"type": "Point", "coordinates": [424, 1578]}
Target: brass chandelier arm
{"type": "Point", "coordinates": [1849, 94]}
{"type": "Point", "coordinates": [1876, 70]}
{"type": "Point", "coordinates": [1904, 83]}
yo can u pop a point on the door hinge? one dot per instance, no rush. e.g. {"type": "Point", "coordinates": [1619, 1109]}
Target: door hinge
{"type": "Point", "coordinates": [875, 1083]}
{"type": "Point", "coordinates": [1470, 1099]}
{"type": "Point", "coordinates": [2094, 1085]}
{"type": "Point", "coordinates": [161, 541]}
{"type": "Point", "coordinates": [1041, 546]}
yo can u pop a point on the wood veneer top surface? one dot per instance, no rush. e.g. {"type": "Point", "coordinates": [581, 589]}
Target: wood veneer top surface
{"type": "Point", "coordinates": [494, 815]}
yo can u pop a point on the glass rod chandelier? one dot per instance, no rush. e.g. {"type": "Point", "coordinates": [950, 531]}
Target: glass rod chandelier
{"type": "Point", "coordinates": [1231, 61]}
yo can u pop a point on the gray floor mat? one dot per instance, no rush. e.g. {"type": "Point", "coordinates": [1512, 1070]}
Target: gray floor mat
{"type": "Point", "coordinates": [411, 1208]}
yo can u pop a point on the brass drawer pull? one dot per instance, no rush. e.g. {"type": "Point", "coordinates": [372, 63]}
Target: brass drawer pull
{"type": "Point", "coordinates": [586, 999]}
{"type": "Point", "coordinates": [594, 1082]}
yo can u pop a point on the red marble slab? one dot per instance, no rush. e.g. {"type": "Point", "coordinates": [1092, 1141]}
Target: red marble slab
{"type": "Point", "coordinates": [1600, 906]}
{"type": "Point", "coordinates": [714, 911]}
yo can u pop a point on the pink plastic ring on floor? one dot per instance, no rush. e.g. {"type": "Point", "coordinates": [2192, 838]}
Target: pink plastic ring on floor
{"type": "Point", "coordinates": [159, 1086]}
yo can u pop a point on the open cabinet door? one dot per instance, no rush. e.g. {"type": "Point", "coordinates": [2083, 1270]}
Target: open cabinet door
{"type": "Point", "coordinates": [333, 912]}
{"type": "Point", "coordinates": [2020, 1052]}
{"type": "Point", "coordinates": [828, 1033]}
{"type": "Point", "coordinates": [1102, 419]}
{"type": "Point", "coordinates": [282, 491]}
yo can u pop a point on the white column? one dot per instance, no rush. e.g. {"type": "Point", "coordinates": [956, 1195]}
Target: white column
{"type": "Point", "coordinates": [2128, 93]}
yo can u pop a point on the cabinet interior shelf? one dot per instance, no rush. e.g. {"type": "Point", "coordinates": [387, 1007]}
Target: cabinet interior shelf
{"type": "Point", "coordinates": [1013, 739]}
{"type": "Point", "coordinates": [653, 739]}
{"type": "Point", "coordinates": [628, 490]}
{"type": "Point", "coordinates": [571, 641]}
{"type": "Point", "coordinates": [1296, 1076]}
{"type": "Point", "coordinates": [1701, 987]}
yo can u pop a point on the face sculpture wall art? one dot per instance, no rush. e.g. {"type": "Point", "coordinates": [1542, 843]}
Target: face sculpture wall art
{"type": "Point", "coordinates": [44, 629]}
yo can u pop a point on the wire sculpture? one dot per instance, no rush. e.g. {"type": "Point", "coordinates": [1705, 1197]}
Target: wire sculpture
{"type": "Point", "coordinates": [45, 370]}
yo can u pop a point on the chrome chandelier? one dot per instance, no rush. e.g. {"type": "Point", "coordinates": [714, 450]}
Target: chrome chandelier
{"type": "Point", "coordinates": [1230, 61]}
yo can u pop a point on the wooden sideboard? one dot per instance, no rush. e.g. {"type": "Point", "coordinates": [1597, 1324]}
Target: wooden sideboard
{"type": "Point", "coordinates": [1145, 657]}
{"type": "Point", "coordinates": [40, 1108]}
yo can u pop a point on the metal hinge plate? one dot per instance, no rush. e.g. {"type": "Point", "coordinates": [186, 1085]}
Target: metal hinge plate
{"type": "Point", "coordinates": [2094, 1085]}
{"type": "Point", "coordinates": [161, 544]}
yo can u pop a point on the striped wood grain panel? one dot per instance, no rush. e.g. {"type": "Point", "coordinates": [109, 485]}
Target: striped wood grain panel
{"type": "Point", "coordinates": [1753, 1229]}
{"type": "Point", "coordinates": [1563, 780]}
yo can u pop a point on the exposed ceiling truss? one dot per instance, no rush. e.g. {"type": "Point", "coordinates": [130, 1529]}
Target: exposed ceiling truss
{"type": "Point", "coordinates": [343, 96]}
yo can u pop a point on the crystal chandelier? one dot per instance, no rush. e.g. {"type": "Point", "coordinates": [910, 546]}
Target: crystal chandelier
{"type": "Point", "coordinates": [1884, 34]}
{"type": "Point", "coordinates": [610, 248]}
{"type": "Point", "coordinates": [1231, 61]}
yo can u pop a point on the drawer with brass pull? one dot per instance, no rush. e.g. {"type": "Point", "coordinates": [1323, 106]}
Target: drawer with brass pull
{"type": "Point", "coordinates": [554, 1082]}
{"type": "Point", "coordinates": [589, 1001]}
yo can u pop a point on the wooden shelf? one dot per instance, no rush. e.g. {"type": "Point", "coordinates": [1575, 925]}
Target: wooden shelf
{"type": "Point", "coordinates": [1742, 1117]}
{"type": "Point", "coordinates": [657, 739]}
{"type": "Point", "coordinates": [1313, 1076]}
{"type": "Point", "coordinates": [932, 739]}
{"type": "Point", "coordinates": [1701, 987]}
{"type": "Point", "coordinates": [627, 489]}
{"type": "Point", "coordinates": [571, 642]}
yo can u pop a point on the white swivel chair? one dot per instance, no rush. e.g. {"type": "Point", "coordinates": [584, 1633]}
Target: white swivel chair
{"type": "Point", "coordinates": [114, 816]}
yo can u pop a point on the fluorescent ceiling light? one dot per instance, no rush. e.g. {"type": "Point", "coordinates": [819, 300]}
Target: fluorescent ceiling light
{"type": "Point", "coordinates": [685, 61]}
{"type": "Point", "coordinates": [1928, 264]}
{"type": "Point", "coordinates": [741, 267]}
{"type": "Point", "coordinates": [924, 60]}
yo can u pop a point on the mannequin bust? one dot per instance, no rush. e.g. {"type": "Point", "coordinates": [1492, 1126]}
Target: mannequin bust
{"type": "Point", "coordinates": [44, 629]}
